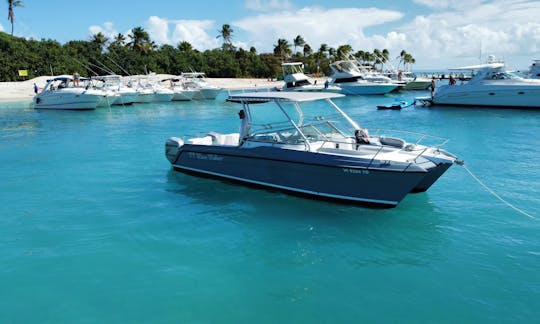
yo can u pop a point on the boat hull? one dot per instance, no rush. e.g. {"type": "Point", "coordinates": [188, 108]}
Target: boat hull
{"type": "Point", "coordinates": [314, 174]}
{"type": "Point", "coordinates": [68, 101]}
{"type": "Point", "coordinates": [206, 93]}
{"type": "Point", "coordinates": [493, 96]}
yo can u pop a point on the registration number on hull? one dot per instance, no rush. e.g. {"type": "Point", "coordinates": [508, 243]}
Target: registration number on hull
{"type": "Point", "coordinates": [205, 156]}
{"type": "Point", "coordinates": [355, 171]}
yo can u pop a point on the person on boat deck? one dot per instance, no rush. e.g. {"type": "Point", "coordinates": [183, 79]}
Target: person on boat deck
{"type": "Point", "coordinates": [361, 136]}
{"type": "Point", "coordinates": [326, 84]}
{"type": "Point", "coordinates": [244, 125]}
{"type": "Point", "coordinates": [36, 88]}
{"type": "Point", "coordinates": [433, 85]}
{"type": "Point", "coordinates": [76, 77]}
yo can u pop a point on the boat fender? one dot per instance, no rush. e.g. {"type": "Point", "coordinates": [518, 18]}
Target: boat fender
{"type": "Point", "coordinates": [38, 101]}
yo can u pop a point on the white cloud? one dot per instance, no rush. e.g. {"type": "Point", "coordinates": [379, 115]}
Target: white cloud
{"type": "Point", "coordinates": [268, 5]}
{"type": "Point", "coordinates": [196, 32]}
{"type": "Point", "coordinates": [158, 29]}
{"type": "Point", "coordinates": [504, 28]}
{"type": "Point", "coordinates": [334, 27]}
{"type": "Point", "coordinates": [106, 29]}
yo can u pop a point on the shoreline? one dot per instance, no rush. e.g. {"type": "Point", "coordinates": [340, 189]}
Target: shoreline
{"type": "Point", "coordinates": [16, 91]}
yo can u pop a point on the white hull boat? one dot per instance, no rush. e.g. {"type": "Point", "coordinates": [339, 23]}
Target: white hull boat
{"type": "Point", "coordinates": [491, 86]}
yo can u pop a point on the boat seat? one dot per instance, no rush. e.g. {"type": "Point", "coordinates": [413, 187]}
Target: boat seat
{"type": "Point", "coordinates": [207, 140]}
{"type": "Point", "coordinates": [392, 141]}
{"type": "Point", "coordinates": [224, 139]}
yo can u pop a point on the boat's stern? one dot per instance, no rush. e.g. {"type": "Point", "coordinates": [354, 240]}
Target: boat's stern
{"type": "Point", "coordinates": [172, 147]}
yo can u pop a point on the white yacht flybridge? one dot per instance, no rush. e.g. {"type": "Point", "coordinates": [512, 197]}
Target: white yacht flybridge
{"type": "Point", "coordinates": [492, 85]}
{"type": "Point", "coordinates": [296, 80]}
{"type": "Point", "coordinates": [347, 76]}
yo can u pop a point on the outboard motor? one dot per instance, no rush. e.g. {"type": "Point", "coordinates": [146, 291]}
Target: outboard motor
{"type": "Point", "coordinates": [172, 146]}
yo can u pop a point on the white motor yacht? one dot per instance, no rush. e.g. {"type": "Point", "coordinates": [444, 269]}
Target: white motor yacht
{"type": "Point", "coordinates": [113, 83]}
{"type": "Point", "coordinates": [196, 81]}
{"type": "Point", "coordinates": [347, 76]}
{"type": "Point", "coordinates": [492, 85]}
{"type": "Point", "coordinates": [317, 150]}
{"type": "Point", "coordinates": [181, 93]}
{"type": "Point", "coordinates": [296, 80]}
{"type": "Point", "coordinates": [61, 93]}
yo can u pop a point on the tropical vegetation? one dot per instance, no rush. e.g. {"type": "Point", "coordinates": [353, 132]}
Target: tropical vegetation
{"type": "Point", "coordinates": [136, 53]}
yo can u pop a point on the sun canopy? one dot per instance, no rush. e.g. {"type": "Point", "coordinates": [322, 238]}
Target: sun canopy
{"type": "Point", "coordinates": [259, 97]}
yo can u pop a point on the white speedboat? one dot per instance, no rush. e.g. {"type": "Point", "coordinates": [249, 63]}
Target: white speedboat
{"type": "Point", "coordinates": [492, 85]}
{"type": "Point", "coordinates": [113, 83]}
{"type": "Point", "coordinates": [195, 81]}
{"type": "Point", "coordinates": [61, 93]}
{"type": "Point", "coordinates": [296, 80]}
{"type": "Point", "coordinates": [181, 93]}
{"type": "Point", "coordinates": [319, 151]}
{"type": "Point", "coordinates": [347, 76]}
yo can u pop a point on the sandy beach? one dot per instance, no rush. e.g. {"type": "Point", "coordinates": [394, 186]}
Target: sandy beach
{"type": "Point", "coordinates": [24, 90]}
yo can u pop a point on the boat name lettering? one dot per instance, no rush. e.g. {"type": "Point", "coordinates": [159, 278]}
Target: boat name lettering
{"type": "Point", "coordinates": [356, 171]}
{"type": "Point", "coordinates": [204, 156]}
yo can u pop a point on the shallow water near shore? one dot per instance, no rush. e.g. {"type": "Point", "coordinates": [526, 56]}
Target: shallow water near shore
{"type": "Point", "coordinates": [96, 227]}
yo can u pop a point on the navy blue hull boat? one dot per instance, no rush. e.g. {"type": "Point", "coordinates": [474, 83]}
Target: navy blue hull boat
{"type": "Point", "coordinates": [324, 153]}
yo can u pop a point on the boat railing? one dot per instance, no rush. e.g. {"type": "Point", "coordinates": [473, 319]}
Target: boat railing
{"type": "Point", "coordinates": [416, 138]}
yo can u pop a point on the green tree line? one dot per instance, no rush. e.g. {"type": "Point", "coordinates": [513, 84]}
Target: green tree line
{"type": "Point", "coordinates": [136, 53]}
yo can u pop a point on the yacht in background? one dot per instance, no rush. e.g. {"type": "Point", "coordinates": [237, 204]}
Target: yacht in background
{"type": "Point", "coordinates": [196, 81]}
{"type": "Point", "coordinates": [347, 76]}
{"type": "Point", "coordinates": [126, 95]}
{"type": "Point", "coordinates": [62, 93]}
{"type": "Point", "coordinates": [491, 85]}
{"type": "Point", "coordinates": [296, 80]}
{"type": "Point", "coordinates": [181, 93]}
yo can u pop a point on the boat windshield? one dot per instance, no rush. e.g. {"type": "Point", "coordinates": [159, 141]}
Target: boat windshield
{"type": "Point", "coordinates": [500, 75]}
{"type": "Point", "coordinates": [315, 124]}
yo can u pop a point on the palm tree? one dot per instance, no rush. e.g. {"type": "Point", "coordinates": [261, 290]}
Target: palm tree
{"type": "Point", "coordinates": [99, 39]}
{"type": "Point", "coordinates": [307, 51]}
{"type": "Point", "coordinates": [343, 52]}
{"type": "Point", "coordinates": [119, 40]}
{"type": "Point", "coordinates": [298, 42]}
{"type": "Point", "coordinates": [139, 38]}
{"type": "Point", "coordinates": [323, 49]}
{"type": "Point", "coordinates": [11, 14]}
{"type": "Point", "coordinates": [282, 49]}
{"type": "Point", "coordinates": [385, 57]}
{"type": "Point", "coordinates": [226, 34]}
{"type": "Point", "coordinates": [185, 46]}
{"type": "Point", "coordinates": [401, 58]}
{"type": "Point", "coordinates": [408, 59]}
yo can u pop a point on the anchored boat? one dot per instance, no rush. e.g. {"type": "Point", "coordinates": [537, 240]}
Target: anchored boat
{"type": "Point", "coordinates": [303, 142]}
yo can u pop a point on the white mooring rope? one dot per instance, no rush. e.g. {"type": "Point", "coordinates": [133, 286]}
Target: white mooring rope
{"type": "Point", "coordinates": [496, 195]}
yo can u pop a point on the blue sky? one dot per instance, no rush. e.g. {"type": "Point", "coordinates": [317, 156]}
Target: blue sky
{"type": "Point", "coordinates": [438, 33]}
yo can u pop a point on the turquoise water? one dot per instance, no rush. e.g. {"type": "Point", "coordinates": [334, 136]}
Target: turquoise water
{"type": "Point", "coordinates": [96, 227]}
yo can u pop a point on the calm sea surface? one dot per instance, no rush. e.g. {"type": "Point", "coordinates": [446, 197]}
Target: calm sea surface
{"type": "Point", "coordinates": [95, 227]}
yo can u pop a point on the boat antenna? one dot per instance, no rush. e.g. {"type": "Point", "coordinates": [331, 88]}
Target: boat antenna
{"type": "Point", "coordinates": [121, 68]}
{"type": "Point", "coordinates": [105, 67]}
{"type": "Point", "coordinates": [85, 66]}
